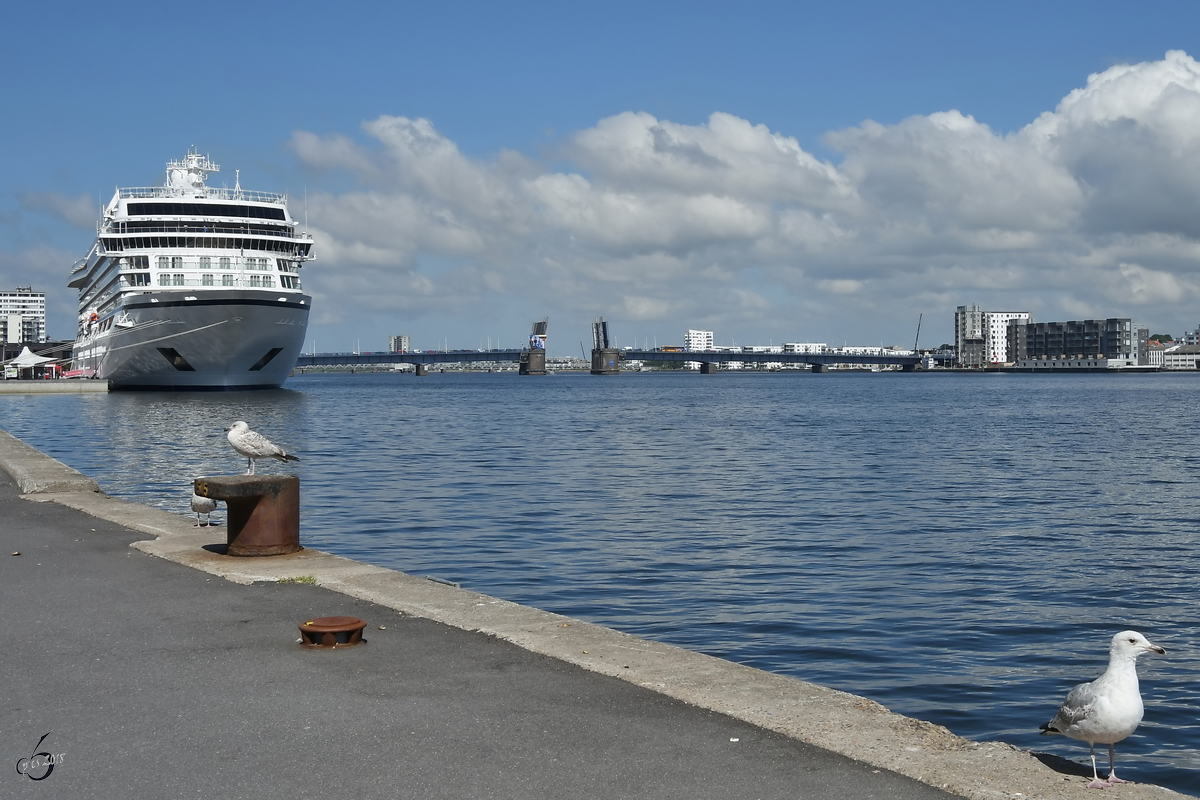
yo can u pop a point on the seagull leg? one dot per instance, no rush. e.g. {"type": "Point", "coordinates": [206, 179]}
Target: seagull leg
{"type": "Point", "coordinates": [1112, 766]}
{"type": "Point", "coordinates": [1096, 782]}
{"type": "Point", "coordinates": [249, 466]}
{"type": "Point", "coordinates": [197, 525]}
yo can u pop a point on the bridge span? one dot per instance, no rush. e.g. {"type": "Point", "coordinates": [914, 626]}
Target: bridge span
{"type": "Point", "coordinates": [820, 362]}
{"type": "Point", "coordinates": [606, 360]}
{"type": "Point", "coordinates": [424, 358]}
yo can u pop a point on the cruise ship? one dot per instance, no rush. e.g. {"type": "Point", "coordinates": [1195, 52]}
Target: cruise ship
{"type": "Point", "coordinates": [192, 287]}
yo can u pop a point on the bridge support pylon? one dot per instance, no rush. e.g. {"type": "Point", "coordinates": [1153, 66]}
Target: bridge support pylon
{"type": "Point", "coordinates": [708, 368]}
{"type": "Point", "coordinates": [421, 370]}
{"type": "Point", "coordinates": [605, 361]}
{"type": "Point", "coordinates": [820, 368]}
{"type": "Point", "coordinates": [533, 362]}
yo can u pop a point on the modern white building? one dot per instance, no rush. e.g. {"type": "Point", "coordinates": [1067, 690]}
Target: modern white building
{"type": "Point", "coordinates": [996, 340]}
{"type": "Point", "coordinates": [981, 337]}
{"type": "Point", "coordinates": [398, 344]}
{"type": "Point", "coordinates": [804, 347]}
{"type": "Point", "coordinates": [23, 315]}
{"type": "Point", "coordinates": [697, 342]}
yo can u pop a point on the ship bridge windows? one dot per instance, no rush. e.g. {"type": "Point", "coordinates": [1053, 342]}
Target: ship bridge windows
{"type": "Point", "coordinates": [204, 210]}
{"type": "Point", "coordinates": [206, 279]}
{"type": "Point", "coordinates": [286, 247]}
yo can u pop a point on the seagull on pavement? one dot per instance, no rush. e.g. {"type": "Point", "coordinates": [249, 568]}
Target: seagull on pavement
{"type": "Point", "coordinates": [253, 445]}
{"type": "Point", "coordinates": [1109, 708]}
{"type": "Point", "coordinates": [205, 506]}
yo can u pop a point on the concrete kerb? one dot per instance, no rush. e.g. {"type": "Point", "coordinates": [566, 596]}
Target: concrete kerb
{"type": "Point", "coordinates": [838, 721]}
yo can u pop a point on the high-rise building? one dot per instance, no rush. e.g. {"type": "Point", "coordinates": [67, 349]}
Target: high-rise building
{"type": "Point", "coordinates": [23, 315]}
{"type": "Point", "coordinates": [398, 344]}
{"type": "Point", "coordinates": [981, 337]}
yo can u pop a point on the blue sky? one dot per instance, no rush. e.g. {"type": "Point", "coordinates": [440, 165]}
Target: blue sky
{"type": "Point", "coordinates": [472, 167]}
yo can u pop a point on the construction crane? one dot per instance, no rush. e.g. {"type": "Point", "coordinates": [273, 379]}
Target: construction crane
{"type": "Point", "coordinates": [922, 314]}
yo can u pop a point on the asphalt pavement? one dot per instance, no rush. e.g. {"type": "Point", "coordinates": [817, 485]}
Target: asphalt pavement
{"type": "Point", "coordinates": [136, 677]}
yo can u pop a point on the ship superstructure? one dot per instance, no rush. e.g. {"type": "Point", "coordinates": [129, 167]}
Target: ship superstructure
{"type": "Point", "coordinates": [192, 287]}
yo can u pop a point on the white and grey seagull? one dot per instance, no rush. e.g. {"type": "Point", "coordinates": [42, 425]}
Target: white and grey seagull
{"type": "Point", "coordinates": [254, 445]}
{"type": "Point", "coordinates": [205, 506]}
{"type": "Point", "coordinates": [1109, 708]}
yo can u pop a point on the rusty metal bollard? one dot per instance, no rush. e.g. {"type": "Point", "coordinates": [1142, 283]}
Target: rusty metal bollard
{"type": "Point", "coordinates": [332, 632]}
{"type": "Point", "coordinates": [264, 512]}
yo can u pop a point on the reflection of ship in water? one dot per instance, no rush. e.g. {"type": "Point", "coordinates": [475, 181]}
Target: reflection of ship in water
{"type": "Point", "coordinates": [192, 287]}
{"type": "Point", "coordinates": [533, 360]}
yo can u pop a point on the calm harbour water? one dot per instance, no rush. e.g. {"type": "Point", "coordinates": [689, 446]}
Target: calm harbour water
{"type": "Point", "coordinates": [959, 548]}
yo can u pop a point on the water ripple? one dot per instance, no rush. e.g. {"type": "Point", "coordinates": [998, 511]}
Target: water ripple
{"type": "Point", "coordinates": [959, 548]}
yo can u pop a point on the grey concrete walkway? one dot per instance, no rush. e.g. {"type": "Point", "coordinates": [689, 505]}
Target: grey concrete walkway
{"type": "Point", "coordinates": [153, 679]}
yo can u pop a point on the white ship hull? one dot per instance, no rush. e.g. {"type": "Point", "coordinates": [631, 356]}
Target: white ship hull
{"type": "Point", "coordinates": [220, 340]}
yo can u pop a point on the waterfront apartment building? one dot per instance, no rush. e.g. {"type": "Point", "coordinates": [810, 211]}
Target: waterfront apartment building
{"type": "Point", "coordinates": [697, 341]}
{"type": "Point", "coordinates": [398, 344]}
{"type": "Point", "coordinates": [981, 337]}
{"type": "Point", "coordinates": [1116, 340]}
{"type": "Point", "coordinates": [23, 316]}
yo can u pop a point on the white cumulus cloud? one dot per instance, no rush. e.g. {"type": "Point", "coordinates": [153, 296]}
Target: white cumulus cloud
{"type": "Point", "coordinates": [1091, 206]}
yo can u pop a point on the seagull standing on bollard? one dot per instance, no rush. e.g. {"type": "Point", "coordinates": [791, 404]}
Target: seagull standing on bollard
{"type": "Point", "coordinates": [205, 506]}
{"type": "Point", "coordinates": [253, 445]}
{"type": "Point", "coordinates": [1109, 708]}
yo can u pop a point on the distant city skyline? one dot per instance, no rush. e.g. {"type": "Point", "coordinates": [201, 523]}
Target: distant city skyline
{"type": "Point", "coordinates": [771, 171]}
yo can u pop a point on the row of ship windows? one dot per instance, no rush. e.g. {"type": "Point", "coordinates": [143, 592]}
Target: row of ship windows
{"type": "Point", "coordinates": [223, 262]}
{"type": "Point", "coordinates": [204, 242]}
{"type": "Point", "coordinates": [207, 279]}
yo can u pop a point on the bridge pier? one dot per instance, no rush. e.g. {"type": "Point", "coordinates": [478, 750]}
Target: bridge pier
{"type": "Point", "coordinates": [605, 361]}
{"type": "Point", "coordinates": [708, 368]}
{"type": "Point", "coordinates": [820, 368]}
{"type": "Point", "coordinates": [533, 362]}
{"type": "Point", "coordinates": [421, 369]}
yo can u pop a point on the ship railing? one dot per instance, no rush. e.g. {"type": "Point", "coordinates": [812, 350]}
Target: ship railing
{"type": "Point", "coordinates": [201, 194]}
{"type": "Point", "coordinates": [117, 229]}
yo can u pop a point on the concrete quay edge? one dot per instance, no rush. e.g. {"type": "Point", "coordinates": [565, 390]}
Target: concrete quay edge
{"type": "Point", "coordinates": [60, 386]}
{"type": "Point", "coordinates": [853, 726]}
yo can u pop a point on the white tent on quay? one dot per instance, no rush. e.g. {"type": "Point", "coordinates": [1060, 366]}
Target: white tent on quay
{"type": "Point", "coordinates": [27, 359]}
